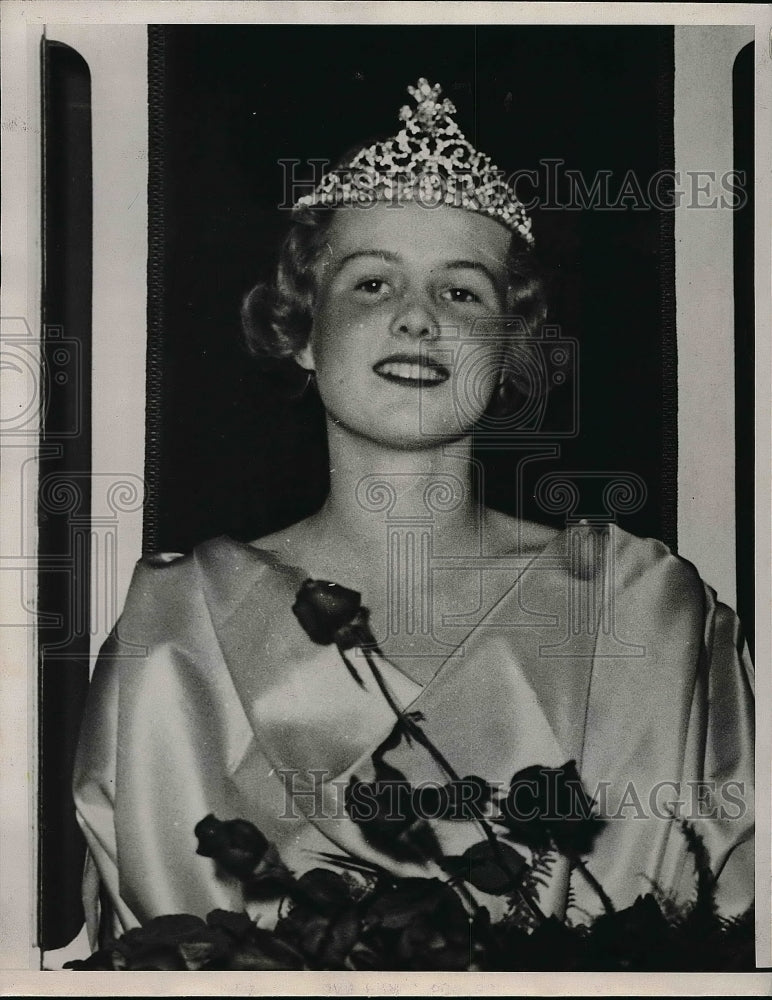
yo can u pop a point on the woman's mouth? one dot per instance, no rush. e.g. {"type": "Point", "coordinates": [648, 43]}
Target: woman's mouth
{"type": "Point", "coordinates": [411, 370]}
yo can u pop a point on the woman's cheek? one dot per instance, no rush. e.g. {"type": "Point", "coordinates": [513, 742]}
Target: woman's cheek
{"type": "Point", "coordinates": [337, 327]}
{"type": "Point", "coordinates": [477, 374]}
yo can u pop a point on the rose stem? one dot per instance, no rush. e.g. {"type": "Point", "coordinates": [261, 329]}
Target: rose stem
{"type": "Point", "coordinates": [600, 892]}
{"type": "Point", "coordinates": [420, 736]}
{"type": "Point", "coordinates": [460, 886]}
{"type": "Point", "coordinates": [352, 669]}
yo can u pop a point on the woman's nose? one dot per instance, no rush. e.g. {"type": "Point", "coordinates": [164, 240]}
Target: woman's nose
{"type": "Point", "coordinates": [415, 320]}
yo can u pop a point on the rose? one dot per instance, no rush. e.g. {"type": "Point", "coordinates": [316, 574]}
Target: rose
{"type": "Point", "coordinates": [236, 845]}
{"type": "Point", "coordinates": [323, 923]}
{"type": "Point", "coordinates": [240, 849]}
{"type": "Point", "coordinates": [456, 800]}
{"type": "Point", "coordinates": [385, 813]}
{"type": "Point", "coordinates": [170, 942]}
{"type": "Point", "coordinates": [327, 611]}
{"type": "Point", "coordinates": [324, 939]}
{"type": "Point", "coordinates": [226, 942]}
{"type": "Point", "coordinates": [252, 948]}
{"type": "Point", "coordinates": [492, 869]}
{"type": "Point", "coordinates": [178, 942]}
{"type": "Point", "coordinates": [548, 807]}
{"type": "Point", "coordinates": [331, 613]}
{"type": "Point", "coordinates": [415, 924]}
{"type": "Point", "coordinates": [323, 890]}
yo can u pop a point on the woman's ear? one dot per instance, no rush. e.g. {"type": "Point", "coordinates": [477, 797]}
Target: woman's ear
{"type": "Point", "coordinates": [305, 358]}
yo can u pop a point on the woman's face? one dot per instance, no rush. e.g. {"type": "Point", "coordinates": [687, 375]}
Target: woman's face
{"type": "Point", "coordinates": [403, 342]}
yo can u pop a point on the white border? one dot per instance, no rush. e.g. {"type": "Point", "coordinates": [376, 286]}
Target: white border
{"type": "Point", "coordinates": [19, 312]}
{"type": "Point", "coordinates": [704, 280]}
{"type": "Point", "coordinates": [19, 216]}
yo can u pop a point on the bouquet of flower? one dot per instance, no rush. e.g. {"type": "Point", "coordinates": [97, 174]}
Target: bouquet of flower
{"type": "Point", "coordinates": [356, 915]}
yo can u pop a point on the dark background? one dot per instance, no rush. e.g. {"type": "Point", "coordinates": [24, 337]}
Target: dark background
{"type": "Point", "coordinates": [226, 452]}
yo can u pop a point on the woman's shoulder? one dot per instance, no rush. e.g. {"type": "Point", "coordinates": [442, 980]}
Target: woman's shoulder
{"type": "Point", "coordinates": [223, 569]}
{"type": "Point", "coordinates": [162, 565]}
{"type": "Point", "coordinates": [535, 537]}
{"type": "Point", "coordinates": [642, 556]}
{"type": "Point", "coordinates": [175, 587]}
{"type": "Point", "coordinates": [505, 533]}
{"type": "Point", "coordinates": [647, 572]}
{"type": "Point", "coordinates": [590, 550]}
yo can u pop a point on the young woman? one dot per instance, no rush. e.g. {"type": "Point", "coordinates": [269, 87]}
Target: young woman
{"type": "Point", "coordinates": [406, 288]}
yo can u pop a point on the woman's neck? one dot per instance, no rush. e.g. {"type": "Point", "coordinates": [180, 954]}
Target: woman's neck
{"type": "Point", "coordinates": [372, 485]}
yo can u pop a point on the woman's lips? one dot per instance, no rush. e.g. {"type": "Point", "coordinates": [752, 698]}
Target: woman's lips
{"type": "Point", "coordinates": [411, 370]}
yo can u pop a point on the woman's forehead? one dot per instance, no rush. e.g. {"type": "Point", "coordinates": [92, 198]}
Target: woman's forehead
{"type": "Point", "coordinates": [416, 233]}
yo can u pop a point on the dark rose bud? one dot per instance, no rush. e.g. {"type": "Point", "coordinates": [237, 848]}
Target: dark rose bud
{"type": "Point", "coordinates": [493, 870]}
{"type": "Point", "coordinates": [384, 812]}
{"type": "Point", "coordinates": [548, 806]}
{"type": "Point", "coordinates": [322, 608]}
{"type": "Point", "coordinates": [457, 800]}
{"type": "Point", "coordinates": [322, 889]}
{"type": "Point", "coordinates": [236, 845]}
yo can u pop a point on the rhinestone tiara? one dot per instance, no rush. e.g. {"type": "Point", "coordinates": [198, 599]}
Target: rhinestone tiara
{"type": "Point", "coordinates": [429, 161]}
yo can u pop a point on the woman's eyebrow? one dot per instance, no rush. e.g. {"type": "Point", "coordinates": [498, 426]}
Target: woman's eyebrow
{"type": "Point", "coordinates": [473, 265]}
{"type": "Point", "coordinates": [380, 254]}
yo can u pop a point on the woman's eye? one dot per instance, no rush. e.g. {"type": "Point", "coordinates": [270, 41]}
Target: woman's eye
{"type": "Point", "coordinates": [371, 286]}
{"type": "Point", "coordinates": [462, 295]}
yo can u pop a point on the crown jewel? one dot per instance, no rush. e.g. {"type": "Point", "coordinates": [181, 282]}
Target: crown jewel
{"type": "Point", "coordinates": [429, 161]}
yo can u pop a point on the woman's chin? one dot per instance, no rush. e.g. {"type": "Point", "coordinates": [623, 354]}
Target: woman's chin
{"type": "Point", "coordinates": [406, 434]}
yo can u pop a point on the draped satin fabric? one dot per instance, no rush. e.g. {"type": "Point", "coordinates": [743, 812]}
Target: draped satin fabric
{"type": "Point", "coordinates": [208, 697]}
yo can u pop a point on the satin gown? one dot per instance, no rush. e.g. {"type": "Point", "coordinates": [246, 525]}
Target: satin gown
{"type": "Point", "coordinates": [607, 649]}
